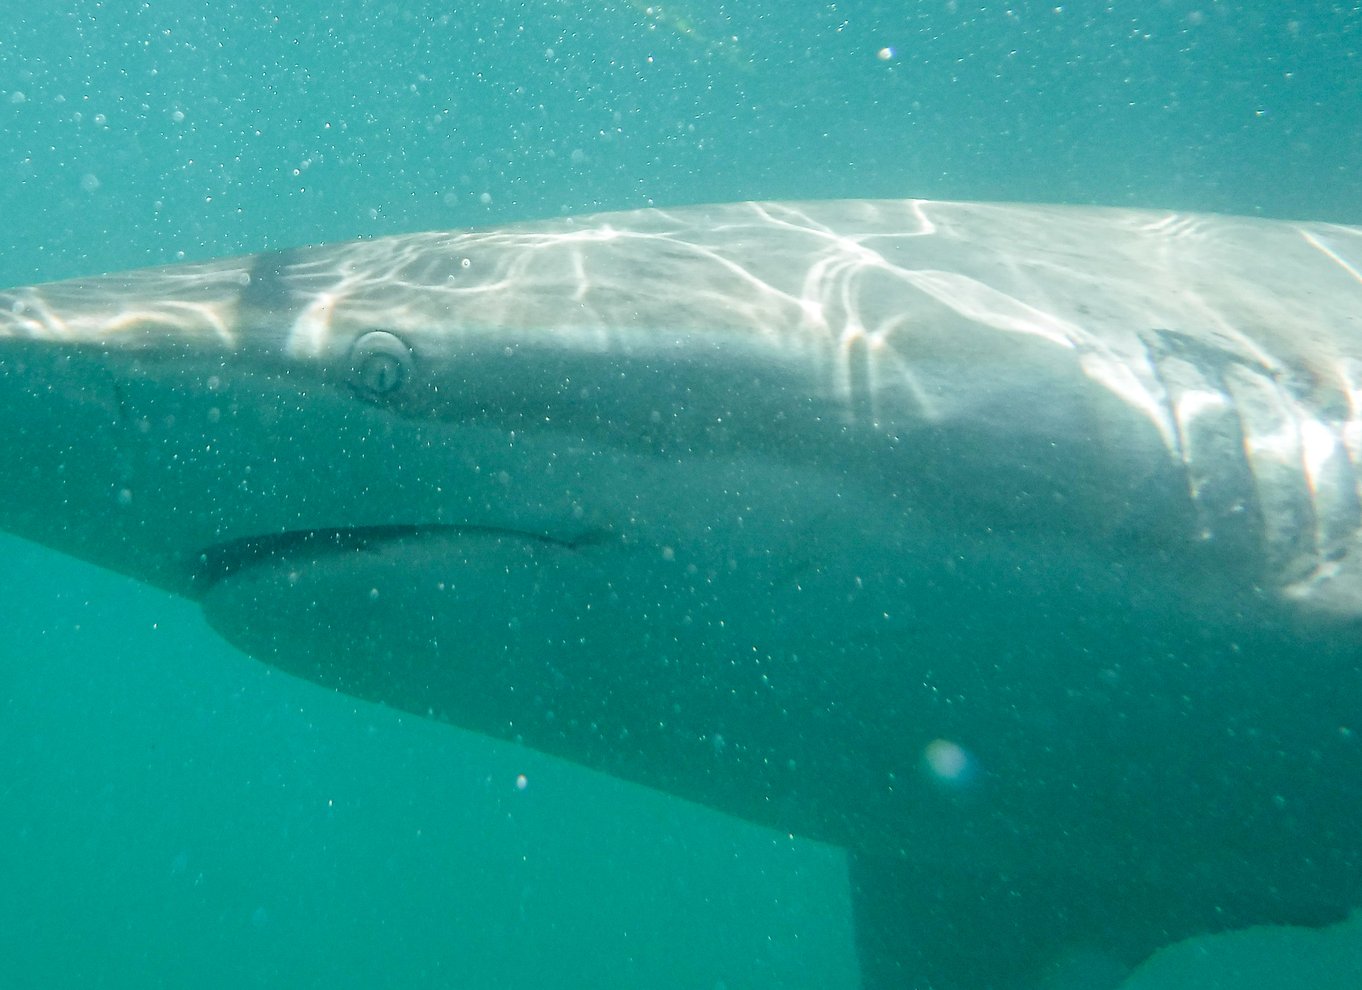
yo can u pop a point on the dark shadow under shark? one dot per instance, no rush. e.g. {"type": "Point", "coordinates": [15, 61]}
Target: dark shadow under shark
{"type": "Point", "coordinates": [1012, 548]}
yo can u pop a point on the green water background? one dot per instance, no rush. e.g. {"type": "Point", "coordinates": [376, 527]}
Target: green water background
{"type": "Point", "coordinates": [174, 814]}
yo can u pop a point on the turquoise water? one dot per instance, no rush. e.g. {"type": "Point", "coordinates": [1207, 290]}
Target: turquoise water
{"type": "Point", "coordinates": [173, 813]}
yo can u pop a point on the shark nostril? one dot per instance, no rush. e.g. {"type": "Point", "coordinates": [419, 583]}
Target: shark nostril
{"type": "Point", "coordinates": [380, 362]}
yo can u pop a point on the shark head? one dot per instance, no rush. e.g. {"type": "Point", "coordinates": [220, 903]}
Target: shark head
{"type": "Point", "coordinates": [478, 476]}
{"type": "Point", "coordinates": [445, 380]}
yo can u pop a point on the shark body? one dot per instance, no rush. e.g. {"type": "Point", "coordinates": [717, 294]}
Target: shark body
{"type": "Point", "coordinates": [1013, 548]}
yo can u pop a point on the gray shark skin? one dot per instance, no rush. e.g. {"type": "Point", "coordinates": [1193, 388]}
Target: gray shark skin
{"type": "Point", "coordinates": [1013, 548]}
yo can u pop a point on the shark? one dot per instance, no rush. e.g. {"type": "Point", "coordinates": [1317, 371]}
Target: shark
{"type": "Point", "coordinates": [1015, 549]}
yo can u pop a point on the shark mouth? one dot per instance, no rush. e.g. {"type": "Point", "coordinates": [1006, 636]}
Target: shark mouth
{"type": "Point", "coordinates": [221, 561]}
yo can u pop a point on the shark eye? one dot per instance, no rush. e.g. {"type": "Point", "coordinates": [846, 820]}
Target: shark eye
{"type": "Point", "coordinates": [379, 363]}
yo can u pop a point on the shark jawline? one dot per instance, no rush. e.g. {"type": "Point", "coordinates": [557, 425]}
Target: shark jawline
{"type": "Point", "coordinates": [220, 561]}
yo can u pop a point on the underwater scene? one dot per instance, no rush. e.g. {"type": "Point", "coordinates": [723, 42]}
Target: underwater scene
{"type": "Point", "coordinates": [910, 540]}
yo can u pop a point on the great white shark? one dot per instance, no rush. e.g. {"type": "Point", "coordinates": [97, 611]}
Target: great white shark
{"type": "Point", "coordinates": [1015, 549]}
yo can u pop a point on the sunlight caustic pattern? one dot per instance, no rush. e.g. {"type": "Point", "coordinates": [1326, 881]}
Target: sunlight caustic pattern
{"type": "Point", "coordinates": [862, 298]}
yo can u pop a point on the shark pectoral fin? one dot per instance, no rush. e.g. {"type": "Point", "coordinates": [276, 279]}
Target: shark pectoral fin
{"type": "Point", "coordinates": [928, 925]}
{"type": "Point", "coordinates": [923, 927]}
{"type": "Point", "coordinates": [434, 621]}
